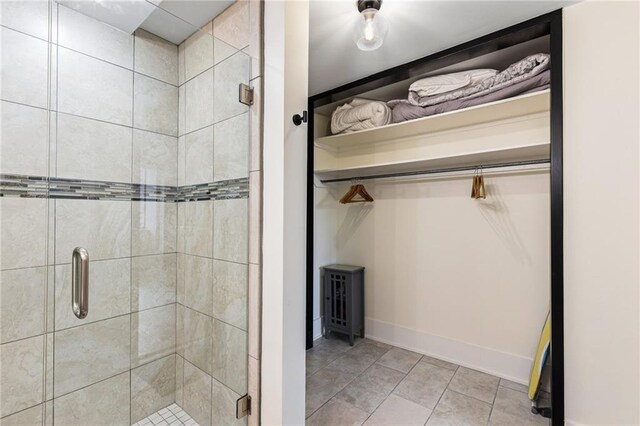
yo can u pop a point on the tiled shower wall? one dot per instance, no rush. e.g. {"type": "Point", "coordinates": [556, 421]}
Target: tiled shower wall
{"type": "Point", "coordinates": [213, 236]}
{"type": "Point", "coordinates": [83, 101]}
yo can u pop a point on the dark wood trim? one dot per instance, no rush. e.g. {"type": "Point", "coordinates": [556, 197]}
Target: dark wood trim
{"type": "Point", "coordinates": [548, 24]}
{"type": "Point", "coordinates": [557, 224]}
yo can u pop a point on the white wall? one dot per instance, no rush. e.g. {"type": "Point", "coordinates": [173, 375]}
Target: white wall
{"type": "Point", "coordinates": [601, 197]}
{"type": "Point", "coordinates": [457, 278]}
{"type": "Point", "coordinates": [284, 217]}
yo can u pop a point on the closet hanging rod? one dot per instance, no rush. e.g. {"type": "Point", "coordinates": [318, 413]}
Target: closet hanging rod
{"type": "Point", "coordinates": [486, 168]}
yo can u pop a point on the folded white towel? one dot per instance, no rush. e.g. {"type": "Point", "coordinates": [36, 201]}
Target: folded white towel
{"type": "Point", "coordinates": [360, 114]}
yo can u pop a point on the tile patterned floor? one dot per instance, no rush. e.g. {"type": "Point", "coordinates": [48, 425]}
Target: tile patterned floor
{"type": "Point", "coordinates": [172, 415]}
{"type": "Point", "coordinates": [373, 383]}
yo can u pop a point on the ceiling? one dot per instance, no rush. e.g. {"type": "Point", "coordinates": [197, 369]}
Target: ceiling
{"type": "Point", "coordinates": [173, 20]}
{"type": "Point", "coordinates": [416, 29]}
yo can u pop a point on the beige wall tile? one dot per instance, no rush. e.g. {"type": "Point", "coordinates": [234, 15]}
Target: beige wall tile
{"type": "Point", "coordinates": [91, 149]}
{"type": "Point", "coordinates": [182, 110]}
{"type": "Point", "coordinates": [230, 230]}
{"type": "Point", "coordinates": [229, 356]}
{"type": "Point", "coordinates": [232, 25]}
{"type": "Point", "coordinates": [179, 380]}
{"type": "Point", "coordinates": [154, 228]}
{"type": "Point", "coordinates": [198, 228]}
{"type": "Point", "coordinates": [198, 53]}
{"type": "Point", "coordinates": [196, 338]}
{"type": "Point", "coordinates": [103, 404]}
{"type": "Point", "coordinates": [227, 76]}
{"type": "Point", "coordinates": [153, 387]}
{"type": "Point", "coordinates": [230, 293]}
{"type": "Point", "coordinates": [21, 368]}
{"type": "Point", "coordinates": [30, 17]}
{"type": "Point", "coordinates": [102, 227]}
{"type": "Point", "coordinates": [181, 65]}
{"type": "Point", "coordinates": [198, 153]}
{"type": "Point", "coordinates": [154, 158]}
{"type": "Point", "coordinates": [23, 66]}
{"type": "Point", "coordinates": [223, 406]}
{"type": "Point", "coordinates": [182, 169]}
{"type": "Point", "coordinates": [231, 148]}
{"type": "Point", "coordinates": [197, 284]}
{"type": "Point", "coordinates": [93, 88]}
{"type": "Point", "coordinates": [90, 353]}
{"type": "Point", "coordinates": [222, 50]}
{"type": "Point", "coordinates": [199, 101]}
{"type": "Point", "coordinates": [109, 290]}
{"type": "Point", "coordinates": [197, 394]}
{"type": "Point", "coordinates": [155, 106]}
{"type": "Point", "coordinates": [23, 232]}
{"type": "Point", "coordinates": [156, 57]}
{"type": "Point", "coordinates": [25, 139]}
{"type": "Point", "coordinates": [153, 281]}
{"type": "Point", "coordinates": [22, 303]}
{"type": "Point", "coordinates": [30, 417]}
{"type": "Point", "coordinates": [92, 37]}
{"type": "Point", "coordinates": [153, 334]}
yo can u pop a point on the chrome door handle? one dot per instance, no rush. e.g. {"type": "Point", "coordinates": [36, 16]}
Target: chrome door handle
{"type": "Point", "coordinates": [80, 282]}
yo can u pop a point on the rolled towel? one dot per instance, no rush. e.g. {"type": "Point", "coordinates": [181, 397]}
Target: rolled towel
{"type": "Point", "coordinates": [360, 114]}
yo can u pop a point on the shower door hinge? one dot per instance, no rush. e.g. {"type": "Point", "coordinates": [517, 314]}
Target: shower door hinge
{"type": "Point", "coordinates": [245, 94]}
{"type": "Point", "coordinates": [243, 406]}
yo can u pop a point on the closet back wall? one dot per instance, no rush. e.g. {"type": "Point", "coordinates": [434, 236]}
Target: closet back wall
{"type": "Point", "coordinates": [460, 279]}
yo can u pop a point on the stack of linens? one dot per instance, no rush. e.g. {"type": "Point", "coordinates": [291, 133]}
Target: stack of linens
{"type": "Point", "coordinates": [450, 92]}
{"type": "Point", "coordinates": [360, 114]}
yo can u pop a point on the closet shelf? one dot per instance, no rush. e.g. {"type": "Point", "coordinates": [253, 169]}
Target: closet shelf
{"type": "Point", "coordinates": [515, 129]}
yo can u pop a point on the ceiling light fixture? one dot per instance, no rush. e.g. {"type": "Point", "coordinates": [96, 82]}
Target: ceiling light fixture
{"type": "Point", "coordinates": [371, 28]}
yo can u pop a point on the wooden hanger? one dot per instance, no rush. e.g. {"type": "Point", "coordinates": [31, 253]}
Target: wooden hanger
{"type": "Point", "coordinates": [477, 186]}
{"type": "Point", "coordinates": [355, 190]}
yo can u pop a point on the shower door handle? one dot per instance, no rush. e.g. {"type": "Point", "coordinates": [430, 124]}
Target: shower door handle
{"type": "Point", "coordinates": [80, 282]}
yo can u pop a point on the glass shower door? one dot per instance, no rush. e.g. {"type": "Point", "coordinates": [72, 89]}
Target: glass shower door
{"type": "Point", "coordinates": [113, 193]}
{"type": "Point", "coordinates": [136, 150]}
{"type": "Point", "coordinates": [213, 171]}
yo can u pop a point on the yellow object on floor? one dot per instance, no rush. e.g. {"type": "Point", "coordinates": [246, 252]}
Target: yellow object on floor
{"type": "Point", "coordinates": [541, 358]}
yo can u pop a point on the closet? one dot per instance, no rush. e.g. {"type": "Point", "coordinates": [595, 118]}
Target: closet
{"type": "Point", "coordinates": [462, 238]}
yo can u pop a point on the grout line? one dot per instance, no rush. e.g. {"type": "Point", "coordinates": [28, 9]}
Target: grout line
{"type": "Point", "coordinates": [212, 124]}
{"type": "Point", "coordinates": [212, 317]}
{"type": "Point", "coordinates": [23, 409]}
{"type": "Point", "coordinates": [94, 383]}
{"type": "Point", "coordinates": [47, 109]}
{"type": "Point", "coordinates": [26, 34]}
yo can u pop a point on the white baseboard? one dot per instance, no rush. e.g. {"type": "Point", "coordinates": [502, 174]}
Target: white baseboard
{"type": "Point", "coordinates": [317, 328]}
{"type": "Point", "coordinates": [505, 365]}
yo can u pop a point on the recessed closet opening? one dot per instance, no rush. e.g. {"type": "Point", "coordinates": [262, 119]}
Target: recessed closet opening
{"type": "Point", "coordinates": [433, 236]}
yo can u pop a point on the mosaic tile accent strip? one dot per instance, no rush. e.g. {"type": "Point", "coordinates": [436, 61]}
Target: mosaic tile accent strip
{"type": "Point", "coordinates": [62, 188]}
{"type": "Point", "coordinates": [172, 415]}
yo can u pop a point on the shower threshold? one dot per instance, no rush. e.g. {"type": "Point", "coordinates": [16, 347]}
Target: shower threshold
{"type": "Point", "coordinates": [172, 415]}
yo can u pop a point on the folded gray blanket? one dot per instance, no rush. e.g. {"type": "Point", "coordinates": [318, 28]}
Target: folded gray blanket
{"type": "Point", "coordinates": [403, 111]}
{"type": "Point", "coordinates": [522, 70]}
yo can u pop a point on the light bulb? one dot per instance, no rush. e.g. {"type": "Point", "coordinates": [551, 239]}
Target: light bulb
{"type": "Point", "coordinates": [370, 31]}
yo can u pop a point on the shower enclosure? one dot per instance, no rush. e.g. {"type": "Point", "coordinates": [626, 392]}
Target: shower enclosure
{"type": "Point", "coordinates": [132, 149]}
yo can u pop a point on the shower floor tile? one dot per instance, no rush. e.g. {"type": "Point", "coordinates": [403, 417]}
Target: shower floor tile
{"type": "Point", "coordinates": [172, 415]}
